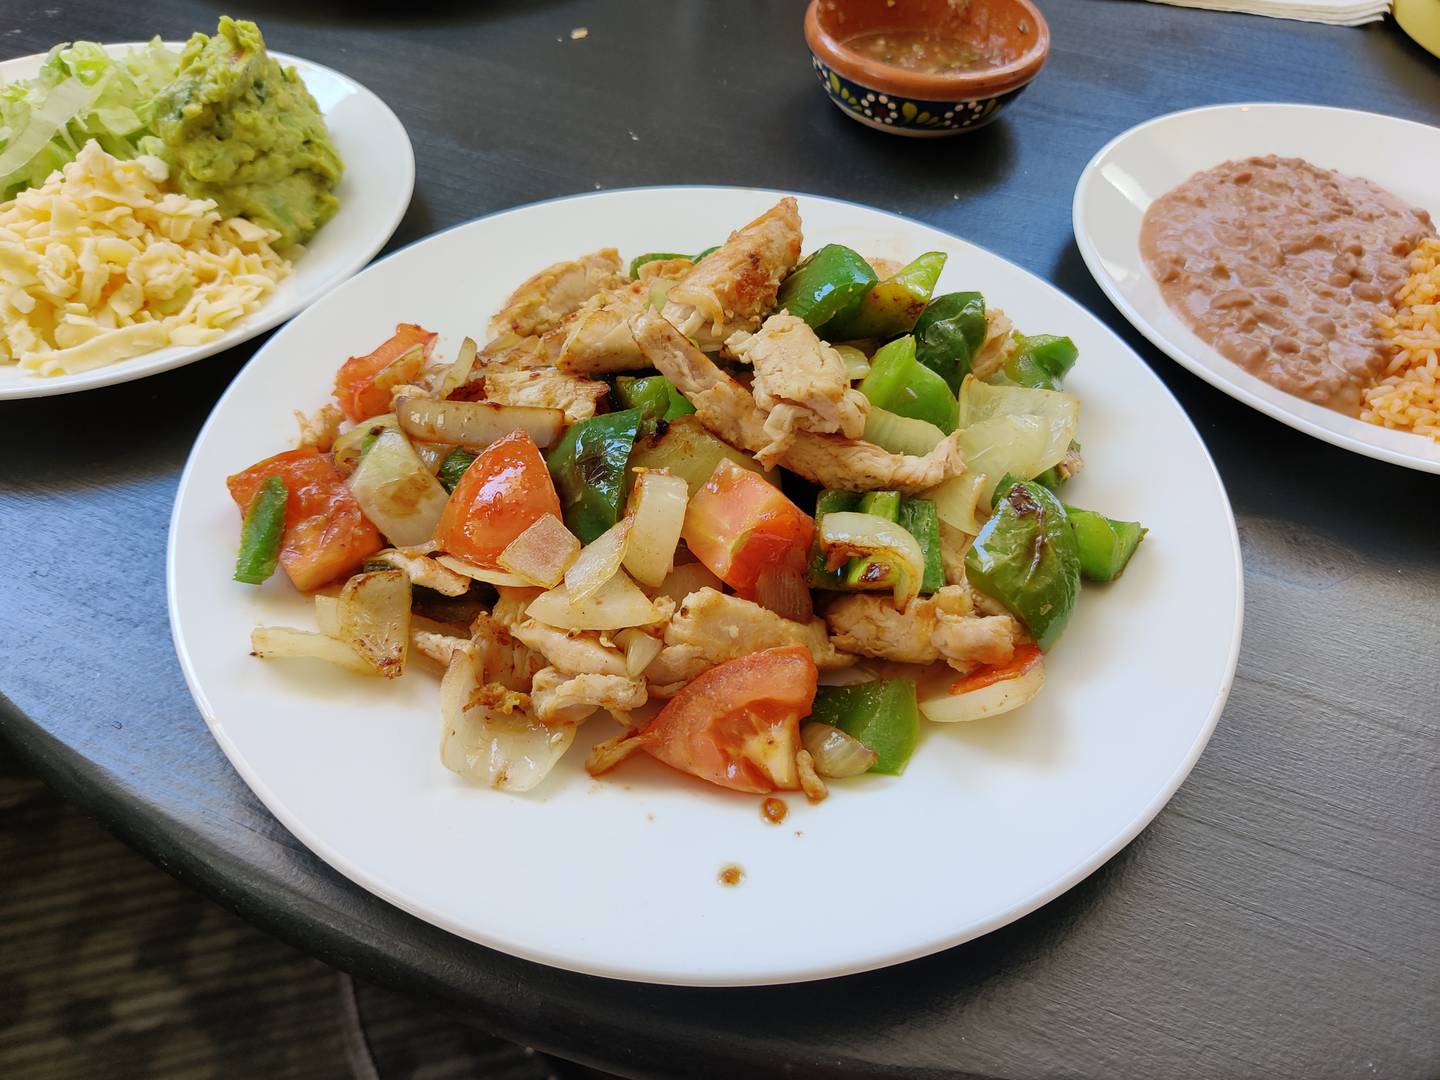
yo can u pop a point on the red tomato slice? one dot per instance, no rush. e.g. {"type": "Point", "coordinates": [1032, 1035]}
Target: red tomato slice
{"type": "Point", "coordinates": [505, 491]}
{"type": "Point", "coordinates": [363, 383]}
{"type": "Point", "coordinates": [1025, 658]}
{"type": "Point", "coordinates": [739, 523]}
{"type": "Point", "coordinates": [326, 534]}
{"type": "Point", "coordinates": [738, 724]}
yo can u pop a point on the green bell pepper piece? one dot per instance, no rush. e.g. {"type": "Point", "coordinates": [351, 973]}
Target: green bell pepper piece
{"type": "Point", "coordinates": [1105, 545]}
{"type": "Point", "coordinates": [900, 384]}
{"type": "Point", "coordinates": [921, 520]}
{"type": "Point", "coordinates": [262, 531]}
{"type": "Point", "coordinates": [1026, 557]}
{"type": "Point", "coordinates": [829, 284]}
{"type": "Point", "coordinates": [892, 306]}
{"type": "Point", "coordinates": [948, 334]}
{"type": "Point", "coordinates": [872, 573]}
{"type": "Point", "coordinates": [708, 251]}
{"type": "Point", "coordinates": [588, 466]}
{"type": "Point", "coordinates": [1041, 361]}
{"type": "Point", "coordinates": [453, 467]}
{"type": "Point", "coordinates": [882, 714]}
{"type": "Point", "coordinates": [653, 393]}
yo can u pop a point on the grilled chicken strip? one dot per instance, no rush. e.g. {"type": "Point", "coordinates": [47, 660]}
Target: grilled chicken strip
{"type": "Point", "coordinates": [800, 381]}
{"type": "Point", "coordinates": [544, 300]}
{"type": "Point", "coordinates": [710, 627]}
{"type": "Point", "coordinates": [572, 654]}
{"type": "Point", "coordinates": [728, 409]}
{"type": "Point", "coordinates": [940, 627]}
{"type": "Point", "coordinates": [597, 339]}
{"type": "Point", "coordinates": [996, 347]}
{"type": "Point", "coordinates": [545, 388]}
{"type": "Point", "coordinates": [733, 287]}
{"type": "Point", "coordinates": [567, 699]}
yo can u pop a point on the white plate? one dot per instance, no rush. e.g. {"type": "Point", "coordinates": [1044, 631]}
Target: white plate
{"type": "Point", "coordinates": [617, 877]}
{"type": "Point", "coordinates": [1135, 168]}
{"type": "Point", "coordinates": [374, 193]}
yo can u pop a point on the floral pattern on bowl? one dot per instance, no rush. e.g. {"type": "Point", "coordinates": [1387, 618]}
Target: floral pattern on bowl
{"type": "Point", "coordinates": [904, 116]}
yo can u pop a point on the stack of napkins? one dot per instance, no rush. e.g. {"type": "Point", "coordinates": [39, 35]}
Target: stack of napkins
{"type": "Point", "coordinates": [1335, 12]}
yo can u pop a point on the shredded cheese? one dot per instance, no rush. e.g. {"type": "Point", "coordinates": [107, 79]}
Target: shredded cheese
{"type": "Point", "coordinates": [101, 264]}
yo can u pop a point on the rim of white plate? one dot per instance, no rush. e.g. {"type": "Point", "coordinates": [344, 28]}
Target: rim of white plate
{"type": "Point", "coordinates": [1215, 373]}
{"type": "Point", "coordinates": [268, 315]}
{"type": "Point", "coordinates": [1082, 868]}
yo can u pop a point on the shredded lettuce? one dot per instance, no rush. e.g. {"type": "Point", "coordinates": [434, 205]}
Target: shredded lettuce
{"type": "Point", "coordinates": [80, 93]}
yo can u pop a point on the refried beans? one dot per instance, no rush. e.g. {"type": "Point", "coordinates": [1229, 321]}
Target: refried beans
{"type": "Point", "coordinates": [1285, 268]}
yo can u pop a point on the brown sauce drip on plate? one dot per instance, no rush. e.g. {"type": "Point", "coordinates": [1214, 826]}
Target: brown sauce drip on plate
{"type": "Point", "coordinates": [731, 875]}
{"type": "Point", "coordinates": [774, 810]}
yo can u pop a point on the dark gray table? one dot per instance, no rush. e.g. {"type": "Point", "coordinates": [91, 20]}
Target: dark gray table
{"type": "Point", "coordinates": [1280, 918]}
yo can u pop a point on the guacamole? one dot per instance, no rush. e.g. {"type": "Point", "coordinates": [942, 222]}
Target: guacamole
{"type": "Point", "coordinates": [240, 129]}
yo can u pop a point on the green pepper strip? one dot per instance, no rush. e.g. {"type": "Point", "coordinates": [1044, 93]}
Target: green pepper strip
{"type": "Point", "coordinates": [1041, 361]}
{"type": "Point", "coordinates": [588, 466]}
{"type": "Point", "coordinates": [900, 384]}
{"type": "Point", "coordinates": [262, 532]}
{"type": "Point", "coordinates": [653, 393]}
{"type": "Point", "coordinates": [1105, 545]}
{"type": "Point", "coordinates": [1026, 557]}
{"type": "Point", "coordinates": [828, 285]}
{"type": "Point", "coordinates": [892, 306]}
{"type": "Point", "coordinates": [454, 466]}
{"type": "Point", "coordinates": [920, 519]}
{"type": "Point", "coordinates": [882, 714]}
{"type": "Point", "coordinates": [948, 333]}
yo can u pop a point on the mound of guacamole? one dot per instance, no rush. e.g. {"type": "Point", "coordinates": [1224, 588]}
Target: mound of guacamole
{"type": "Point", "coordinates": [240, 129]}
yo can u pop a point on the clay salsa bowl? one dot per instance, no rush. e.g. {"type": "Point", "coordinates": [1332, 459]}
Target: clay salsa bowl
{"type": "Point", "coordinates": [906, 102]}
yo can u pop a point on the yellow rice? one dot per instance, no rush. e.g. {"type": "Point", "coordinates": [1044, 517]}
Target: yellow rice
{"type": "Point", "coordinates": [1408, 397]}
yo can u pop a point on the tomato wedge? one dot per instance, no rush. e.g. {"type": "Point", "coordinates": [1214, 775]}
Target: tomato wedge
{"type": "Point", "coordinates": [503, 492]}
{"type": "Point", "coordinates": [363, 383]}
{"type": "Point", "coordinates": [1024, 658]}
{"type": "Point", "coordinates": [326, 535]}
{"type": "Point", "coordinates": [738, 724]}
{"type": "Point", "coordinates": [739, 523]}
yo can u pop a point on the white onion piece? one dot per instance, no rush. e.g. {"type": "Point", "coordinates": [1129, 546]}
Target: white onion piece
{"type": "Point", "coordinates": [274, 642]}
{"type": "Point", "coordinates": [374, 616]}
{"type": "Point", "coordinates": [513, 752]}
{"type": "Point", "coordinates": [615, 605]}
{"type": "Point", "coordinates": [458, 373]}
{"type": "Point", "coordinates": [836, 753]}
{"type": "Point", "coordinates": [1013, 429]}
{"type": "Point", "coordinates": [686, 579]}
{"type": "Point", "coordinates": [346, 447]}
{"type": "Point", "coordinates": [852, 533]}
{"type": "Point", "coordinates": [784, 591]}
{"type": "Point", "coordinates": [991, 695]}
{"type": "Point", "coordinates": [957, 499]}
{"type": "Point", "coordinates": [396, 491]}
{"type": "Point", "coordinates": [597, 563]}
{"type": "Point", "coordinates": [480, 573]}
{"type": "Point", "coordinates": [857, 364]}
{"type": "Point", "coordinates": [542, 553]}
{"type": "Point", "coordinates": [657, 504]}
{"type": "Point", "coordinates": [475, 424]}
{"type": "Point", "coordinates": [327, 615]}
{"type": "Point", "coordinates": [432, 454]}
{"type": "Point", "coordinates": [640, 648]}
{"type": "Point", "coordinates": [900, 434]}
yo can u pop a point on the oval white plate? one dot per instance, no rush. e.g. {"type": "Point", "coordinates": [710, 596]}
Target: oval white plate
{"type": "Point", "coordinates": [617, 877]}
{"type": "Point", "coordinates": [1139, 166]}
{"type": "Point", "coordinates": [374, 193]}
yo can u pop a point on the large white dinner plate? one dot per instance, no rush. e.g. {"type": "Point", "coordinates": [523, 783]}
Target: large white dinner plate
{"type": "Point", "coordinates": [1138, 166]}
{"type": "Point", "coordinates": [618, 876]}
{"type": "Point", "coordinates": [374, 193]}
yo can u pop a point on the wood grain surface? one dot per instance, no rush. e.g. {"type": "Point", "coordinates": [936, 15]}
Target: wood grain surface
{"type": "Point", "coordinates": [1280, 918]}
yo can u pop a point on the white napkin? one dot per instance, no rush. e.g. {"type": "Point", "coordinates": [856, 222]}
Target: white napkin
{"type": "Point", "coordinates": [1335, 12]}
